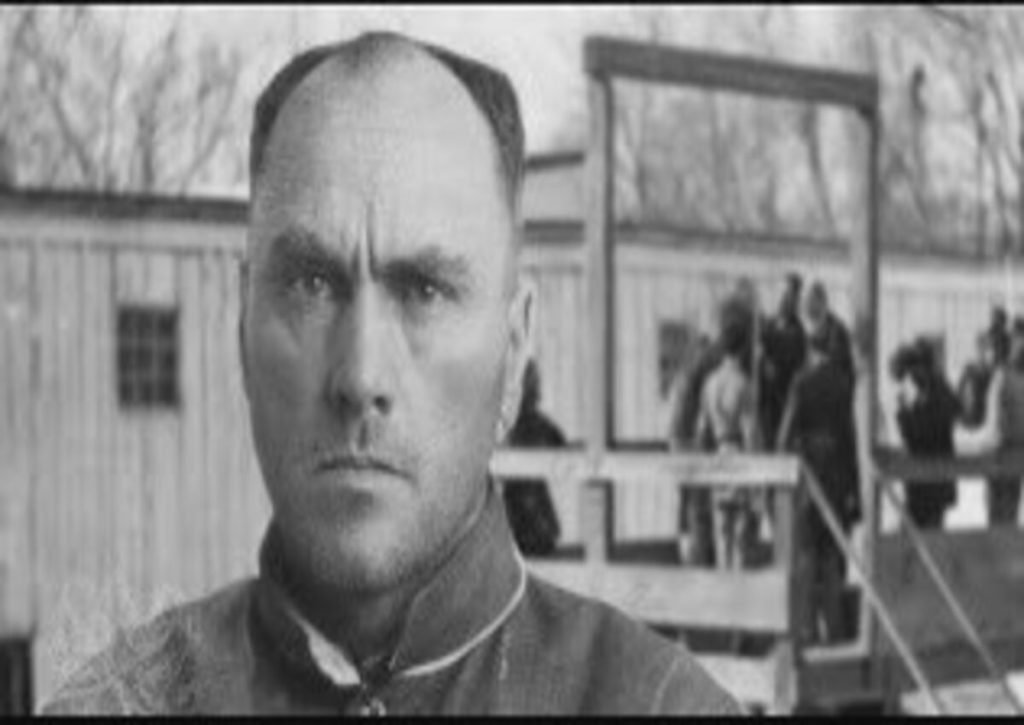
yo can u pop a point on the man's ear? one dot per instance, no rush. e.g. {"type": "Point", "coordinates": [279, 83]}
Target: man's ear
{"type": "Point", "coordinates": [517, 354]}
{"type": "Point", "coordinates": [243, 296]}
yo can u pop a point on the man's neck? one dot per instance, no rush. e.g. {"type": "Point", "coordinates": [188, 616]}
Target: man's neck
{"type": "Point", "coordinates": [366, 625]}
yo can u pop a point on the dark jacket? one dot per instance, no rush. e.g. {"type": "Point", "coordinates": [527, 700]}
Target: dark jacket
{"type": "Point", "coordinates": [531, 512]}
{"type": "Point", "coordinates": [819, 425]}
{"type": "Point", "coordinates": [785, 348]}
{"type": "Point", "coordinates": [926, 426]}
{"type": "Point", "coordinates": [839, 345]}
{"type": "Point", "coordinates": [483, 636]}
{"type": "Point", "coordinates": [972, 392]}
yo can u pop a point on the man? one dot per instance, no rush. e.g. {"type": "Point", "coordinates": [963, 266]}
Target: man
{"type": "Point", "coordinates": [785, 345]}
{"type": "Point", "coordinates": [696, 543]}
{"type": "Point", "coordinates": [531, 512]}
{"type": "Point", "coordinates": [1001, 430]}
{"type": "Point", "coordinates": [975, 379]}
{"type": "Point", "coordinates": [926, 414]}
{"type": "Point", "coordinates": [728, 419]}
{"type": "Point", "coordinates": [686, 389]}
{"type": "Point", "coordinates": [748, 316]}
{"type": "Point", "coordinates": [999, 331]}
{"type": "Point", "coordinates": [818, 425]}
{"type": "Point", "coordinates": [383, 338]}
{"type": "Point", "coordinates": [822, 321]}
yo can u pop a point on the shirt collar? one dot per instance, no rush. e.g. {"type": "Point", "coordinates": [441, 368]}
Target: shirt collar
{"type": "Point", "coordinates": [470, 597]}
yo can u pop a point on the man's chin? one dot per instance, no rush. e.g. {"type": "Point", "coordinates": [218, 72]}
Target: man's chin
{"type": "Point", "coordinates": [363, 554]}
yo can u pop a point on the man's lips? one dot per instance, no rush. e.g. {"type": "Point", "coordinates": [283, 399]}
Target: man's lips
{"type": "Point", "coordinates": [355, 462]}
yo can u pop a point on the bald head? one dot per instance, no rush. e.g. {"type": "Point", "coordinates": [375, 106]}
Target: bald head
{"type": "Point", "coordinates": [364, 62]}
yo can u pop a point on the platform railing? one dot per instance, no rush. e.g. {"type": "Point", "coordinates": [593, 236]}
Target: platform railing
{"type": "Point", "coordinates": [765, 600]}
{"type": "Point", "coordinates": [898, 466]}
{"type": "Point", "coordinates": [882, 609]}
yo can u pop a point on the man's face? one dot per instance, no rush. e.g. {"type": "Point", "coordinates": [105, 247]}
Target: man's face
{"type": "Point", "coordinates": [815, 310]}
{"type": "Point", "coordinates": [381, 330]}
{"type": "Point", "coordinates": [789, 303]}
{"type": "Point", "coordinates": [986, 353]}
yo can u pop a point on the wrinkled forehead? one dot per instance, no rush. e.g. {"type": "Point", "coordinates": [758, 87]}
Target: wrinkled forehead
{"type": "Point", "coordinates": [400, 133]}
{"type": "Point", "coordinates": [400, 100]}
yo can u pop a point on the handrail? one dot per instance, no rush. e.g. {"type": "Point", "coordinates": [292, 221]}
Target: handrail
{"type": "Point", "coordinates": [906, 654]}
{"type": "Point", "coordinates": [730, 470]}
{"type": "Point", "coordinates": [950, 598]}
{"type": "Point", "coordinates": [901, 465]}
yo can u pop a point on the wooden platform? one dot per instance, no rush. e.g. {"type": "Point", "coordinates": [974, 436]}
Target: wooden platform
{"type": "Point", "coordinates": [978, 697]}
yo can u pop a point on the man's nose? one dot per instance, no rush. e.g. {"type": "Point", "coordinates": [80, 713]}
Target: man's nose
{"type": "Point", "coordinates": [361, 356]}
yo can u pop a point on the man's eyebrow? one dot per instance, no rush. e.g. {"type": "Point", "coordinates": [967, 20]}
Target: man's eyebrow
{"type": "Point", "coordinates": [432, 262]}
{"type": "Point", "coordinates": [300, 245]}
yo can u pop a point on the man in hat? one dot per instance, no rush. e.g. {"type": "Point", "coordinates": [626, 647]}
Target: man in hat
{"type": "Point", "coordinates": [822, 321]}
{"type": "Point", "coordinates": [818, 424]}
{"type": "Point", "coordinates": [785, 345]}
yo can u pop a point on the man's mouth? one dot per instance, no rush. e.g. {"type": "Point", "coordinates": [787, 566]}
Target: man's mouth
{"type": "Point", "coordinates": [358, 462]}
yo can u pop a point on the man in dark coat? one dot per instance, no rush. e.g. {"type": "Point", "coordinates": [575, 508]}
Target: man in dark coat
{"type": "Point", "coordinates": [972, 389]}
{"type": "Point", "coordinates": [821, 320]}
{"type": "Point", "coordinates": [531, 512]}
{"type": "Point", "coordinates": [926, 416]}
{"type": "Point", "coordinates": [785, 346]}
{"type": "Point", "coordinates": [818, 424]}
{"type": "Point", "coordinates": [999, 331]}
{"type": "Point", "coordinates": [383, 334]}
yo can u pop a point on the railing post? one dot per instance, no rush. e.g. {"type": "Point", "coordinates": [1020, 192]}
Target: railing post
{"type": "Point", "coordinates": [787, 557]}
{"type": "Point", "coordinates": [597, 520]}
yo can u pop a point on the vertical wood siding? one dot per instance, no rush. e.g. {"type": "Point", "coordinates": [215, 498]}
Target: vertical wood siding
{"type": "Point", "coordinates": [110, 514]}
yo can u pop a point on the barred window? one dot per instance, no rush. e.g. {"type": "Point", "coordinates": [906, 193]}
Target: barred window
{"type": "Point", "coordinates": [147, 357]}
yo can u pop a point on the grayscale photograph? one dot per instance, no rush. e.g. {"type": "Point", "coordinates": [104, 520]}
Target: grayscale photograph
{"type": "Point", "coordinates": [383, 360]}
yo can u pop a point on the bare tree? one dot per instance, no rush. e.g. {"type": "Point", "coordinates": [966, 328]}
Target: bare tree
{"type": "Point", "coordinates": [80, 110]}
{"type": "Point", "coordinates": [979, 52]}
{"type": "Point", "coordinates": [703, 158]}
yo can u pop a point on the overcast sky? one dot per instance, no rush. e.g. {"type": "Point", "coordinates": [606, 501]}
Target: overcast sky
{"type": "Point", "coordinates": [539, 46]}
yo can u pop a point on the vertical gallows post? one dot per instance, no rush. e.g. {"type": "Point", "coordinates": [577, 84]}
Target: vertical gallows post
{"type": "Point", "coordinates": [865, 253]}
{"type": "Point", "coordinates": [599, 240]}
{"type": "Point", "coordinates": [600, 270]}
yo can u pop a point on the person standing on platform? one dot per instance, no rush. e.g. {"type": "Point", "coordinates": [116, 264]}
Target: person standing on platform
{"type": "Point", "coordinates": [785, 349]}
{"type": "Point", "coordinates": [926, 414]}
{"type": "Point", "coordinates": [818, 425]}
{"type": "Point", "coordinates": [696, 545]}
{"type": "Point", "coordinates": [822, 321]}
{"type": "Point", "coordinates": [728, 419]}
{"type": "Point", "coordinates": [972, 391]}
{"type": "Point", "coordinates": [1002, 429]}
{"type": "Point", "coordinates": [999, 331]}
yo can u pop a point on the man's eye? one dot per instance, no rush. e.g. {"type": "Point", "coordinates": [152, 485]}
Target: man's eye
{"type": "Point", "coordinates": [312, 284]}
{"type": "Point", "coordinates": [423, 291]}
{"type": "Point", "coordinates": [427, 291]}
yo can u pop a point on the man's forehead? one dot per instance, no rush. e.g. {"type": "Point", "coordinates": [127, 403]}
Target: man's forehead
{"type": "Point", "coordinates": [390, 149]}
{"type": "Point", "coordinates": [395, 88]}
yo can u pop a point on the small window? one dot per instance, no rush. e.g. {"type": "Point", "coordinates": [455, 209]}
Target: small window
{"type": "Point", "coordinates": [674, 340]}
{"type": "Point", "coordinates": [147, 357]}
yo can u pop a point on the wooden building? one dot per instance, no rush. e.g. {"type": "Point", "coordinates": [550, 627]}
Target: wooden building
{"type": "Point", "coordinates": [128, 478]}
